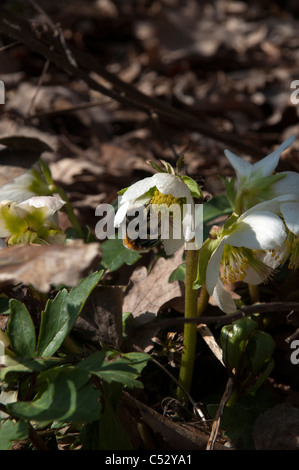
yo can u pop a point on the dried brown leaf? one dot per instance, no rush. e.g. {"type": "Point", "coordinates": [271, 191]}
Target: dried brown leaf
{"type": "Point", "coordinates": [42, 266]}
{"type": "Point", "coordinates": [147, 293]}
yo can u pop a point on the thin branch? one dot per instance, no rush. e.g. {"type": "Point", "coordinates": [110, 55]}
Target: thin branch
{"type": "Point", "coordinates": [8, 46]}
{"type": "Point", "coordinates": [220, 320]}
{"type": "Point", "coordinates": [216, 424]}
{"type": "Point", "coordinates": [51, 48]}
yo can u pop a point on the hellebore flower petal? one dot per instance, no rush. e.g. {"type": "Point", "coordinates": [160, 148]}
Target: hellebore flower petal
{"type": "Point", "coordinates": [257, 183]}
{"type": "Point", "coordinates": [213, 267]}
{"type": "Point", "coordinates": [260, 230]}
{"type": "Point", "coordinates": [290, 212]}
{"type": "Point", "coordinates": [223, 298]}
{"type": "Point", "coordinates": [267, 165]}
{"type": "Point", "coordinates": [19, 189]}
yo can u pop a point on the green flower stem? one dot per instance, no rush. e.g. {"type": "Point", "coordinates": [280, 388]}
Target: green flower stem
{"type": "Point", "coordinates": [193, 308]}
{"type": "Point", "coordinates": [254, 293]}
{"type": "Point", "coordinates": [69, 210]}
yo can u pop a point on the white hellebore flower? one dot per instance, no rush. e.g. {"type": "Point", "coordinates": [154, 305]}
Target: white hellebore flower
{"type": "Point", "coordinates": [154, 192]}
{"type": "Point", "coordinates": [25, 186]}
{"type": "Point", "coordinates": [238, 255]}
{"type": "Point", "coordinates": [31, 221]}
{"type": "Point", "coordinates": [256, 182]}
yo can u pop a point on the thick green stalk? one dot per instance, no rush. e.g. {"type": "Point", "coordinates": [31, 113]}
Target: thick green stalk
{"type": "Point", "coordinates": [193, 308]}
{"type": "Point", "coordinates": [254, 293]}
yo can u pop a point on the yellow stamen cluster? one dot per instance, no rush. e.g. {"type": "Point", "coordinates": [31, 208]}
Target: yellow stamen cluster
{"type": "Point", "coordinates": [236, 262]}
{"type": "Point", "coordinates": [168, 199]}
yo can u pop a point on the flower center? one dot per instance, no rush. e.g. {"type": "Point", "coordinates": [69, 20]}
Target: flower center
{"type": "Point", "coordinates": [168, 199]}
{"type": "Point", "coordinates": [237, 260]}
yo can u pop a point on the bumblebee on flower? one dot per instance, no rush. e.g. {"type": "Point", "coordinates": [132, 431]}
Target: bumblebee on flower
{"type": "Point", "coordinates": [165, 203]}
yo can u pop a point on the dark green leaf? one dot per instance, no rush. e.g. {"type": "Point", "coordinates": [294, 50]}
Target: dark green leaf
{"type": "Point", "coordinates": [11, 431]}
{"type": "Point", "coordinates": [20, 330]}
{"type": "Point", "coordinates": [67, 398]}
{"type": "Point", "coordinates": [20, 365]}
{"type": "Point", "coordinates": [61, 313]}
{"type": "Point", "coordinates": [193, 186]}
{"type": "Point", "coordinates": [178, 274]}
{"type": "Point", "coordinates": [123, 369]}
{"type": "Point", "coordinates": [115, 254]}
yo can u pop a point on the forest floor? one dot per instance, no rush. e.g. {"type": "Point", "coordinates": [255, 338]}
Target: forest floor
{"type": "Point", "coordinates": [202, 77]}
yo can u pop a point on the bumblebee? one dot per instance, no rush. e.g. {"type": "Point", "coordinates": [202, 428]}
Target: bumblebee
{"type": "Point", "coordinates": [144, 244]}
{"type": "Point", "coordinates": [140, 244]}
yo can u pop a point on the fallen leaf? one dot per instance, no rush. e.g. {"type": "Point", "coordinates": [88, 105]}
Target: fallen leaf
{"type": "Point", "coordinates": [42, 266]}
{"type": "Point", "coordinates": [147, 293]}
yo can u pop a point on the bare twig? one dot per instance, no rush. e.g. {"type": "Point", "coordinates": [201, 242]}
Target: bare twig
{"type": "Point", "coordinates": [52, 49]}
{"type": "Point", "coordinates": [8, 46]}
{"type": "Point", "coordinates": [216, 424]}
{"type": "Point", "coordinates": [220, 320]}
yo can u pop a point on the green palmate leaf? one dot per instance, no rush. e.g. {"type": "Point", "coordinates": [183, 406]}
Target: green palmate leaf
{"type": "Point", "coordinates": [20, 330]}
{"type": "Point", "coordinates": [67, 398]}
{"type": "Point", "coordinates": [178, 274]}
{"type": "Point", "coordinates": [115, 254]}
{"type": "Point", "coordinates": [11, 431]}
{"type": "Point", "coordinates": [16, 365]}
{"type": "Point", "coordinates": [122, 369]}
{"type": "Point", "coordinates": [61, 314]}
{"type": "Point", "coordinates": [193, 186]}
